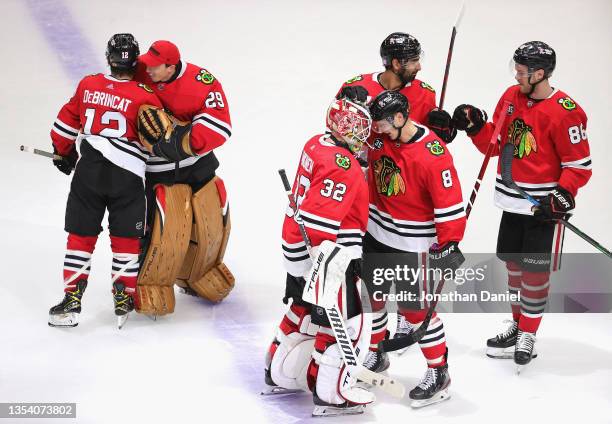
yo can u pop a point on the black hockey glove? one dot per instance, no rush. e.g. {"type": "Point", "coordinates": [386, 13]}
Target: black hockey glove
{"type": "Point", "coordinates": [445, 257]}
{"type": "Point", "coordinates": [469, 119]}
{"type": "Point", "coordinates": [440, 122]}
{"type": "Point", "coordinates": [556, 205]}
{"type": "Point", "coordinates": [66, 163]}
{"type": "Point", "coordinates": [354, 93]}
{"type": "Point", "coordinates": [177, 147]}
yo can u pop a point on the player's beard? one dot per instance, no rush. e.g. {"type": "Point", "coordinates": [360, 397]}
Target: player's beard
{"type": "Point", "coordinates": [406, 77]}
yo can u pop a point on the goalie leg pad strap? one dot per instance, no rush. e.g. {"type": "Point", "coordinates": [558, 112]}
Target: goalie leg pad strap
{"type": "Point", "coordinates": [203, 269]}
{"type": "Point", "coordinates": [169, 242]}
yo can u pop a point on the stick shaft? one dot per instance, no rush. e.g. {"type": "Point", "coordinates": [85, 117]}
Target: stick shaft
{"type": "Point", "coordinates": [39, 152]}
{"type": "Point", "coordinates": [449, 57]}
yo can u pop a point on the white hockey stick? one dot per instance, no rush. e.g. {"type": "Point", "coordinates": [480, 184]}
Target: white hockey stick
{"type": "Point", "coordinates": [29, 149]}
{"type": "Point", "coordinates": [354, 368]}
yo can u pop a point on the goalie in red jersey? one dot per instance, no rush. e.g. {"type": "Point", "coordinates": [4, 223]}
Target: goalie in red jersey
{"type": "Point", "coordinates": [331, 194]}
{"type": "Point", "coordinates": [551, 162]}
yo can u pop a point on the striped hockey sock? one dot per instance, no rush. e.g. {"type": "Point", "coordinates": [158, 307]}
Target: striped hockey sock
{"type": "Point", "coordinates": [77, 262]}
{"type": "Point", "coordinates": [379, 329]}
{"type": "Point", "coordinates": [515, 276]}
{"type": "Point", "coordinates": [433, 343]}
{"type": "Point", "coordinates": [125, 262]}
{"type": "Point", "coordinates": [534, 294]}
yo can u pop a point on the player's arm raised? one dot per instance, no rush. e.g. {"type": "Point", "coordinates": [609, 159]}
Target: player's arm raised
{"type": "Point", "coordinates": [473, 121]}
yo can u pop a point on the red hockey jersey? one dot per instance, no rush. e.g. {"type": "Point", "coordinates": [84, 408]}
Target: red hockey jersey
{"type": "Point", "coordinates": [550, 147]}
{"type": "Point", "coordinates": [195, 96]}
{"type": "Point", "coordinates": [332, 197]}
{"type": "Point", "coordinates": [415, 194]}
{"type": "Point", "coordinates": [422, 96]}
{"type": "Point", "coordinates": [105, 110]}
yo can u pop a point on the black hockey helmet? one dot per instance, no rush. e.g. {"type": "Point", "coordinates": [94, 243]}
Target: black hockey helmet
{"type": "Point", "coordinates": [122, 52]}
{"type": "Point", "coordinates": [387, 104]}
{"type": "Point", "coordinates": [401, 46]}
{"type": "Point", "coordinates": [536, 55]}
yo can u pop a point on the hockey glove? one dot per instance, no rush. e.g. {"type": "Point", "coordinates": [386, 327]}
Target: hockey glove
{"type": "Point", "coordinates": [469, 119]}
{"type": "Point", "coordinates": [66, 163]}
{"type": "Point", "coordinates": [440, 122]}
{"type": "Point", "coordinates": [176, 147]}
{"type": "Point", "coordinates": [556, 205]}
{"type": "Point", "coordinates": [445, 257]}
{"type": "Point", "coordinates": [354, 93]}
{"type": "Point", "coordinates": [154, 125]}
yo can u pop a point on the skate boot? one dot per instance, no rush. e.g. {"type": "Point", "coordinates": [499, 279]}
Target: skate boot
{"type": "Point", "coordinates": [433, 388]}
{"type": "Point", "coordinates": [124, 304]}
{"type": "Point", "coordinates": [66, 313]}
{"type": "Point", "coordinates": [524, 349]}
{"type": "Point", "coordinates": [404, 329]}
{"type": "Point", "coordinates": [324, 409]}
{"type": "Point", "coordinates": [376, 361]}
{"type": "Point", "coordinates": [502, 345]}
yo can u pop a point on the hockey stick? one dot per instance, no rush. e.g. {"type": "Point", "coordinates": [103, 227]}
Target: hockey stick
{"type": "Point", "coordinates": [450, 55]}
{"type": "Point", "coordinates": [414, 337]}
{"type": "Point", "coordinates": [507, 155]}
{"type": "Point", "coordinates": [347, 349]}
{"type": "Point", "coordinates": [39, 152]}
{"type": "Point", "coordinates": [485, 162]}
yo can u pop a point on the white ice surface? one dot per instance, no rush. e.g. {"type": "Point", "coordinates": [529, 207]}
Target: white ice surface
{"type": "Point", "coordinates": [280, 64]}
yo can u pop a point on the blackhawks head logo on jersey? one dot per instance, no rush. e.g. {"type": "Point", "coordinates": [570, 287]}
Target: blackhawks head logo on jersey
{"type": "Point", "coordinates": [519, 134]}
{"type": "Point", "coordinates": [387, 177]}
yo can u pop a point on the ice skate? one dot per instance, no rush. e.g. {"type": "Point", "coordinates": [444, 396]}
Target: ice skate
{"type": "Point", "coordinates": [376, 361]}
{"type": "Point", "coordinates": [272, 388]}
{"type": "Point", "coordinates": [404, 329]}
{"type": "Point", "coordinates": [324, 409]}
{"type": "Point", "coordinates": [124, 304]}
{"type": "Point", "coordinates": [433, 388]}
{"type": "Point", "coordinates": [524, 349]}
{"type": "Point", "coordinates": [66, 313]}
{"type": "Point", "coordinates": [502, 345]}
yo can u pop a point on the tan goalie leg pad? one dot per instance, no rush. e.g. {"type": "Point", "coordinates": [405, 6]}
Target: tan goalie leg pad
{"type": "Point", "coordinates": [167, 249]}
{"type": "Point", "coordinates": [203, 269]}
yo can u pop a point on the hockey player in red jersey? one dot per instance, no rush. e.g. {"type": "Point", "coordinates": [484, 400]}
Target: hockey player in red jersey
{"type": "Point", "coordinates": [95, 134]}
{"type": "Point", "coordinates": [332, 196]}
{"type": "Point", "coordinates": [401, 54]}
{"type": "Point", "coordinates": [416, 215]}
{"type": "Point", "coordinates": [551, 162]}
{"type": "Point", "coordinates": [197, 103]}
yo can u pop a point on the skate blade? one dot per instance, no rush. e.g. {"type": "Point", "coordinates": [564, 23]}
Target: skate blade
{"type": "Point", "coordinates": [275, 390]}
{"type": "Point", "coordinates": [333, 411]}
{"type": "Point", "coordinates": [519, 368]}
{"type": "Point", "coordinates": [70, 319]}
{"type": "Point", "coordinates": [500, 352]}
{"type": "Point", "coordinates": [121, 319]}
{"type": "Point", "coordinates": [437, 398]}
{"type": "Point", "coordinates": [151, 317]}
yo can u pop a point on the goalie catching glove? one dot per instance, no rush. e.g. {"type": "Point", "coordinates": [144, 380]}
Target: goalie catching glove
{"type": "Point", "coordinates": [162, 135]}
